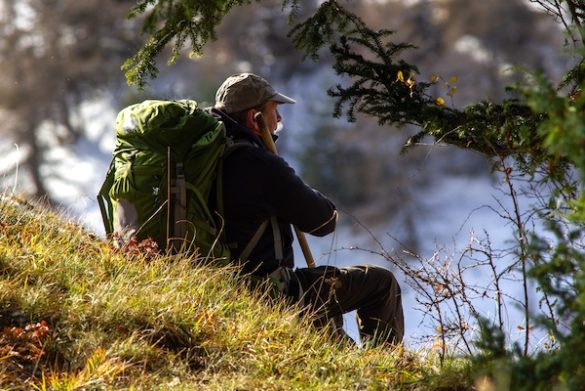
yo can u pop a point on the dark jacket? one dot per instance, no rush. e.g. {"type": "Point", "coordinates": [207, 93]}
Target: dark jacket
{"type": "Point", "coordinates": [257, 185]}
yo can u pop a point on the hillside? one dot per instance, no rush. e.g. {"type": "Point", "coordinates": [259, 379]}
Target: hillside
{"type": "Point", "coordinates": [76, 314]}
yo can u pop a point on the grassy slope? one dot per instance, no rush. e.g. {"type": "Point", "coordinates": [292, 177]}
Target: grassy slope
{"type": "Point", "coordinates": [75, 314]}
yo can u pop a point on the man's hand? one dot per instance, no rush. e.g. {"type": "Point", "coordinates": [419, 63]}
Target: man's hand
{"type": "Point", "coordinates": [286, 282]}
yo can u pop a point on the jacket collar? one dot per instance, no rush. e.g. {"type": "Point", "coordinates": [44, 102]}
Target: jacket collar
{"type": "Point", "coordinates": [234, 129]}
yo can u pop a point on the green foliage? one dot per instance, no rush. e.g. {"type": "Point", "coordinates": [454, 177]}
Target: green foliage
{"type": "Point", "coordinates": [559, 267]}
{"type": "Point", "coordinates": [558, 261]}
{"type": "Point", "coordinates": [176, 21]}
{"type": "Point", "coordinates": [509, 369]}
{"type": "Point", "coordinates": [562, 277]}
{"type": "Point", "coordinates": [327, 23]}
{"type": "Point", "coordinates": [562, 131]}
{"type": "Point", "coordinates": [372, 62]}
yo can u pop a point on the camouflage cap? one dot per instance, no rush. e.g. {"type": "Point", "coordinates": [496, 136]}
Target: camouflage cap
{"type": "Point", "coordinates": [244, 91]}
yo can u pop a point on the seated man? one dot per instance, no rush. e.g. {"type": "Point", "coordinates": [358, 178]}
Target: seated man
{"type": "Point", "coordinates": [263, 197]}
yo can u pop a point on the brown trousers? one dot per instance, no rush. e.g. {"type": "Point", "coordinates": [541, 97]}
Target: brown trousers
{"type": "Point", "coordinates": [373, 291]}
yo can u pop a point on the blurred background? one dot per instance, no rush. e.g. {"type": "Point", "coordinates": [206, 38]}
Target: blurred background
{"type": "Point", "coordinates": [61, 87]}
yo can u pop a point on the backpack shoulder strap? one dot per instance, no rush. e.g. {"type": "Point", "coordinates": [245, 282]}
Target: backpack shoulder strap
{"type": "Point", "coordinates": [277, 235]}
{"type": "Point", "coordinates": [253, 241]}
{"type": "Point", "coordinates": [104, 201]}
{"type": "Point", "coordinates": [278, 247]}
{"type": "Point", "coordinates": [231, 147]}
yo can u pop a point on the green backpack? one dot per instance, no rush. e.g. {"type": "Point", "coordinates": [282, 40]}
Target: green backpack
{"type": "Point", "coordinates": [166, 163]}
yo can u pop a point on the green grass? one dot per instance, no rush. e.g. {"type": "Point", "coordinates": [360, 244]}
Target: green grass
{"type": "Point", "coordinates": [77, 314]}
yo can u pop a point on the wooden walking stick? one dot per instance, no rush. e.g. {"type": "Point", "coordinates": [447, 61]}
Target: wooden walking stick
{"type": "Point", "coordinates": [269, 142]}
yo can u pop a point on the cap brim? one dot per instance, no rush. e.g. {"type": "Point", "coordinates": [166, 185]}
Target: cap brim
{"type": "Point", "coordinates": [280, 98]}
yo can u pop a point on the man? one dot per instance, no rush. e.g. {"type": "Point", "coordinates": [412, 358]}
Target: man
{"type": "Point", "coordinates": [263, 197]}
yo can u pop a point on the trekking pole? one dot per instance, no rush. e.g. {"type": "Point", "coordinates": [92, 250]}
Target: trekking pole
{"type": "Point", "coordinates": [269, 142]}
{"type": "Point", "coordinates": [169, 200]}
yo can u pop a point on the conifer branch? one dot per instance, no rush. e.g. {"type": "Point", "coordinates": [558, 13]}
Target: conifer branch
{"type": "Point", "coordinates": [176, 21]}
{"type": "Point", "coordinates": [382, 84]}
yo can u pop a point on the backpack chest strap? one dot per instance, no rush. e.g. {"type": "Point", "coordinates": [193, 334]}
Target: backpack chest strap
{"type": "Point", "coordinates": [278, 246]}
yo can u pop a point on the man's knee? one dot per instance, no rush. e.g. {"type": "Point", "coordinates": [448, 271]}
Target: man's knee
{"type": "Point", "coordinates": [385, 276]}
{"type": "Point", "coordinates": [378, 276]}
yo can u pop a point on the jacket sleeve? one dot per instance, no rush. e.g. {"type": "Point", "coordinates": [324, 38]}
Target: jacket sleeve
{"type": "Point", "coordinates": [290, 199]}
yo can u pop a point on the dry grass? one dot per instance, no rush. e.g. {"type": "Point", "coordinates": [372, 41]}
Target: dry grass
{"type": "Point", "coordinates": [76, 314]}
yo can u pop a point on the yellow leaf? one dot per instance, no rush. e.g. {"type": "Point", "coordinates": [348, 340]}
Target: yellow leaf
{"type": "Point", "coordinates": [452, 91]}
{"type": "Point", "coordinates": [400, 76]}
{"type": "Point", "coordinates": [453, 80]}
{"type": "Point", "coordinates": [435, 78]}
{"type": "Point", "coordinates": [440, 101]}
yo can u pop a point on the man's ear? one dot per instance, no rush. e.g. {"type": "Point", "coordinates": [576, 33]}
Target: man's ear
{"type": "Point", "coordinates": [251, 121]}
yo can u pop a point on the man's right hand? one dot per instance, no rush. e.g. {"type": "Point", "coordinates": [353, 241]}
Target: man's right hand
{"type": "Point", "coordinates": [286, 282]}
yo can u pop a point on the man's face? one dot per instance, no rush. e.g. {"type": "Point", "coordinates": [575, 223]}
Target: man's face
{"type": "Point", "coordinates": [271, 115]}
